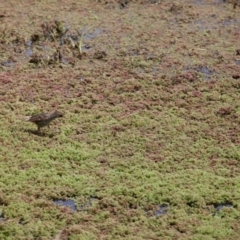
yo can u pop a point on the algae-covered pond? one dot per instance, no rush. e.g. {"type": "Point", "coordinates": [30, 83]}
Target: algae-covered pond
{"type": "Point", "coordinates": [148, 147]}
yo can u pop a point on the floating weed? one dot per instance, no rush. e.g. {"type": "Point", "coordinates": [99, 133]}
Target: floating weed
{"type": "Point", "coordinates": [147, 148]}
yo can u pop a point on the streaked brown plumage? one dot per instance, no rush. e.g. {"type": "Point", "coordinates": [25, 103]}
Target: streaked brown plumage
{"type": "Point", "coordinates": [44, 119]}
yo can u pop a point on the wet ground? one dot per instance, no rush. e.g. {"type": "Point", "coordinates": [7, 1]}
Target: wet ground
{"type": "Point", "coordinates": [149, 144]}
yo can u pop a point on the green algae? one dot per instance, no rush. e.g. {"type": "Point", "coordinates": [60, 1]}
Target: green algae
{"type": "Point", "coordinates": [145, 124]}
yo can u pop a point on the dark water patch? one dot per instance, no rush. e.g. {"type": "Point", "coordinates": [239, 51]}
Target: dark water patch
{"type": "Point", "coordinates": [229, 22]}
{"type": "Point", "coordinates": [237, 62]}
{"type": "Point", "coordinates": [29, 43]}
{"type": "Point", "coordinates": [66, 203]}
{"type": "Point", "coordinates": [219, 1]}
{"type": "Point", "coordinates": [28, 49]}
{"type": "Point", "coordinates": [200, 2]}
{"type": "Point", "coordinates": [7, 63]}
{"type": "Point", "coordinates": [64, 60]}
{"type": "Point", "coordinates": [28, 52]}
{"type": "Point", "coordinates": [206, 2]}
{"type": "Point", "coordinates": [96, 33]}
{"type": "Point", "coordinates": [204, 70]}
{"type": "Point", "coordinates": [40, 56]}
{"type": "Point", "coordinates": [201, 25]}
{"type": "Point", "coordinates": [156, 210]}
{"type": "Point", "coordinates": [37, 48]}
{"type": "Point", "coordinates": [205, 26]}
{"type": "Point", "coordinates": [219, 206]}
{"type": "Point", "coordinates": [83, 35]}
{"type": "Point", "coordinates": [161, 210]}
{"type": "Point", "coordinates": [139, 70]}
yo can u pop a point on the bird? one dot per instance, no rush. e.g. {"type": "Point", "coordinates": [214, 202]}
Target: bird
{"type": "Point", "coordinates": [44, 119]}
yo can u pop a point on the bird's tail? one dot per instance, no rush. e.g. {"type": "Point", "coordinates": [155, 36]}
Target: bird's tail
{"type": "Point", "coordinates": [24, 118]}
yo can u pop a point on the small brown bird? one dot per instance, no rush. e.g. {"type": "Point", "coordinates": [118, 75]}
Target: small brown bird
{"type": "Point", "coordinates": [44, 119]}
